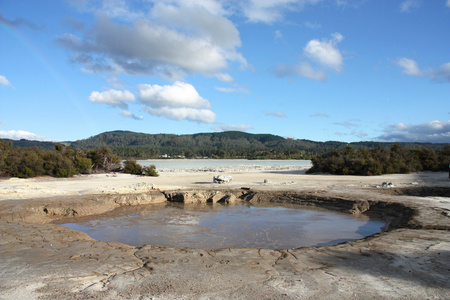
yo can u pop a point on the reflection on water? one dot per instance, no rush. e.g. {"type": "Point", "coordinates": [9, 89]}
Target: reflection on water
{"type": "Point", "coordinates": [213, 226]}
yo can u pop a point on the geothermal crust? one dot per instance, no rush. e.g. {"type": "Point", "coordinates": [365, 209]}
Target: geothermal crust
{"type": "Point", "coordinates": [42, 260]}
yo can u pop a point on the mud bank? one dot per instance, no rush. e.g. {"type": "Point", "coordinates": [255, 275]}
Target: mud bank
{"type": "Point", "coordinates": [410, 259]}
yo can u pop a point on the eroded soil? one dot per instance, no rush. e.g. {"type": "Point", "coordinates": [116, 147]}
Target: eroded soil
{"type": "Point", "coordinates": [410, 259]}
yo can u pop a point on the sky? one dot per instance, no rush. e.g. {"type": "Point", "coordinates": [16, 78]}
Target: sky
{"type": "Point", "coordinates": [322, 70]}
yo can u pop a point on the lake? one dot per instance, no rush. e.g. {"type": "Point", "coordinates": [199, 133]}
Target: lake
{"type": "Point", "coordinates": [187, 164]}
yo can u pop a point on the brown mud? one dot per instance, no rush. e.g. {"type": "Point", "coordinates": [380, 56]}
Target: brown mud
{"type": "Point", "coordinates": [410, 259]}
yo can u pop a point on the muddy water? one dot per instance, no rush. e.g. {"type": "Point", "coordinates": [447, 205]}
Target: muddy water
{"type": "Point", "coordinates": [220, 226]}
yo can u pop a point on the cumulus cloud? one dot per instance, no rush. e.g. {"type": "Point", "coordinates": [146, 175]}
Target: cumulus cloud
{"type": "Point", "coordinates": [112, 97]}
{"type": "Point", "coordinates": [184, 39]}
{"type": "Point", "coordinates": [431, 132]}
{"type": "Point", "coordinates": [4, 81]}
{"type": "Point", "coordinates": [229, 127]}
{"type": "Point", "coordinates": [278, 114]}
{"type": "Point", "coordinates": [409, 66]}
{"type": "Point", "coordinates": [21, 134]}
{"type": "Point", "coordinates": [323, 52]}
{"type": "Point", "coordinates": [407, 5]}
{"type": "Point", "coordinates": [179, 101]}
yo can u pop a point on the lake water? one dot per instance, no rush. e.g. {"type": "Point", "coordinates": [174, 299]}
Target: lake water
{"type": "Point", "coordinates": [185, 164]}
{"type": "Point", "coordinates": [214, 226]}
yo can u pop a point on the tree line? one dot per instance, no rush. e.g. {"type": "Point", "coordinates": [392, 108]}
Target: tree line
{"type": "Point", "coordinates": [378, 161]}
{"type": "Point", "coordinates": [230, 144]}
{"type": "Point", "coordinates": [63, 161]}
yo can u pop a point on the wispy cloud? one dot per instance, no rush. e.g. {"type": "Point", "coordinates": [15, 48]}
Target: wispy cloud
{"type": "Point", "coordinates": [407, 5]}
{"type": "Point", "coordinates": [278, 114]}
{"type": "Point", "coordinates": [431, 132]}
{"type": "Point", "coordinates": [271, 11]}
{"type": "Point", "coordinates": [411, 67]}
{"type": "Point", "coordinates": [232, 89]}
{"type": "Point", "coordinates": [320, 115]}
{"type": "Point", "coordinates": [312, 25]}
{"type": "Point", "coordinates": [127, 114]}
{"type": "Point", "coordinates": [19, 22]}
{"type": "Point", "coordinates": [4, 81]}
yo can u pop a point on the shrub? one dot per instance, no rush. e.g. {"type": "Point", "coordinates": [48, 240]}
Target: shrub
{"type": "Point", "coordinates": [150, 171]}
{"type": "Point", "coordinates": [131, 167]}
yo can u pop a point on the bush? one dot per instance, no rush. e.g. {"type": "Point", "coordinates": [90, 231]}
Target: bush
{"type": "Point", "coordinates": [131, 167]}
{"type": "Point", "coordinates": [378, 161]}
{"type": "Point", "coordinates": [150, 171]}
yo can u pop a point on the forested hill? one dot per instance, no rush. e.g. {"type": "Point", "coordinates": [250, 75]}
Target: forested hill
{"type": "Point", "coordinates": [228, 144]}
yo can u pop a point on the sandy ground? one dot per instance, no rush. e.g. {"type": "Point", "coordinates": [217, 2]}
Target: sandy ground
{"type": "Point", "coordinates": [42, 260]}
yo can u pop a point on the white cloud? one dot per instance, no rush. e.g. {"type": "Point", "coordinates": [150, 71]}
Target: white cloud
{"type": "Point", "coordinates": [448, 3]}
{"type": "Point", "coordinates": [270, 11]}
{"type": "Point", "coordinates": [112, 97]}
{"type": "Point", "coordinates": [431, 132]}
{"type": "Point", "coordinates": [184, 39]}
{"type": "Point", "coordinates": [180, 94]}
{"type": "Point", "coordinates": [183, 113]}
{"type": "Point", "coordinates": [325, 52]}
{"type": "Point", "coordinates": [278, 114]}
{"type": "Point", "coordinates": [127, 114]}
{"type": "Point", "coordinates": [224, 77]}
{"type": "Point", "coordinates": [278, 35]}
{"type": "Point", "coordinates": [443, 72]}
{"type": "Point", "coordinates": [178, 101]}
{"type": "Point", "coordinates": [4, 81]}
{"type": "Point", "coordinates": [322, 115]}
{"type": "Point", "coordinates": [406, 5]}
{"type": "Point", "coordinates": [304, 69]}
{"type": "Point", "coordinates": [21, 134]}
{"type": "Point", "coordinates": [232, 90]}
{"type": "Point", "coordinates": [409, 66]}
{"type": "Point", "coordinates": [229, 127]}
{"type": "Point", "coordinates": [312, 25]}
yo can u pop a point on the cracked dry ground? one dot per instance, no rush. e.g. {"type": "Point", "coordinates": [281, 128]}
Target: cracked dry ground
{"type": "Point", "coordinates": [47, 261]}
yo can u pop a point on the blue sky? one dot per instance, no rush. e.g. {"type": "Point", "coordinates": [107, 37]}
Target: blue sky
{"type": "Point", "coordinates": [305, 69]}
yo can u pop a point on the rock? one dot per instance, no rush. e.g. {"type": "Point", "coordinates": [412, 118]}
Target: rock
{"type": "Point", "coordinates": [222, 179]}
{"type": "Point", "coordinates": [216, 197]}
{"type": "Point", "coordinates": [229, 199]}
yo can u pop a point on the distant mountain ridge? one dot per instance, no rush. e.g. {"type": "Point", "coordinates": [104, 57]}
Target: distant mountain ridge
{"type": "Point", "coordinates": [226, 144]}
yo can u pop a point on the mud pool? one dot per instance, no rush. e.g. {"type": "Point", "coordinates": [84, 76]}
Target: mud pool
{"type": "Point", "coordinates": [219, 226]}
